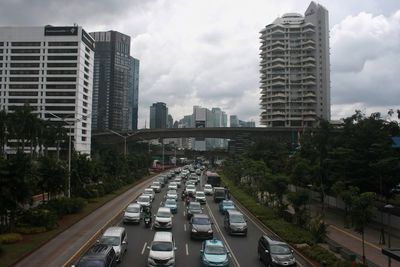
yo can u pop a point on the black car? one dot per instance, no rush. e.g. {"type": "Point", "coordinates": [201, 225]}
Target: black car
{"type": "Point", "coordinates": [274, 252]}
{"type": "Point", "coordinates": [200, 227]}
{"type": "Point", "coordinates": [193, 208]}
{"type": "Point", "coordinates": [98, 255]}
{"type": "Point", "coordinates": [235, 223]}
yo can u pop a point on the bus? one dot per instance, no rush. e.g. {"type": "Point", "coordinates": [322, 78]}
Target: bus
{"type": "Point", "coordinates": [213, 179]}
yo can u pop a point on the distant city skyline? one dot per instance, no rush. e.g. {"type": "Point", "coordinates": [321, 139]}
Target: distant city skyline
{"type": "Point", "coordinates": [211, 57]}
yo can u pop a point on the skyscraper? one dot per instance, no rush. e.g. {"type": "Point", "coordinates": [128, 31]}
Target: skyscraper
{"type": "Point", "coordinates": [158, 115]}
{"type": "Point", "coordinates": [112, 72]}
{"type": "Point", "coordinates": [133, 101]}
{"type": "Point", "coordinates": [295, 70]}
{"type": "Point", "coordinates": [51, 69]}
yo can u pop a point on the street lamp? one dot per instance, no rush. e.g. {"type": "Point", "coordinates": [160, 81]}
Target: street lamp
{"type": "Point", "coordinates": [70, 124]}
{"type": "Point", "coordinates": [388, 207]}
{"type": "Point", "coordinates": [123, 136]}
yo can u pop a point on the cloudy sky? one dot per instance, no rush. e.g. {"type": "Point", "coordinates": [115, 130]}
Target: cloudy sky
{"type": "Point", "coordinates": [206, 52]}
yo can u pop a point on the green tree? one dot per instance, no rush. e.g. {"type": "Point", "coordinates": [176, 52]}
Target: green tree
{"type": "Point", "coordinates": [3, 131]}
{"type": "Point", "coordinates": [363, 213]}
{"type": "Point", "coordinates": [278, 187]}
{"type": "Point", "coordinates": [52, 176]}
{"type": "Point", "coordinates": [299, 200]}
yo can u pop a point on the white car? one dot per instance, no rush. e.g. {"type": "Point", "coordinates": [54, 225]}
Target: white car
{"type": "Point", "coordinates": [172, 186]}
{"type": "Point", "coordinates": [172, 194]}
{"type": "Point", "coordinates": [163, 218]}
{"type": "Point", "coordinates": [132, 213]}
{"type": "Point", "coordinates": [200, 197]}
{"type": "Point", "coordinates": [208, 189]}
{"type": "Point", "coordinates": [144, 200]}
{"type": "Point", "coordinates": [162, 249]}
{"type": "Point", "coordinates": [190, 189]}
{"type": "Point", "coordinates": [150, 191]}
{"type": "Point", "coordinates": [156, 186]}
{"type": "Point", "coordinates": [178, 181]}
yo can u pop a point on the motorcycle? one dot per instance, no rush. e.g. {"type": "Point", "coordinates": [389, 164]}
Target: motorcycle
{"type": "Point", "coordinates": [147, 221]}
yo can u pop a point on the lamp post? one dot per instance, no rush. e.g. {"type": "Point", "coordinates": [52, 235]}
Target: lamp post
{"type": "Point", "coordinates": [388, 207]}
{"type": "Point", "coordinates": [70, 124]}
{"type": "Point", "coordinates": [124, 137]}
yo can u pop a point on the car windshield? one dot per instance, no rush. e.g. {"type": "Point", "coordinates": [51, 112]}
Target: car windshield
{"type": "Point", "coordinates": [90, 263]}
{"type": "Point", "coordinates": [216, 250]}
{"type": "Point", "coordinates": [156, 183]}
{"type": "Point", "coordinates": [171, 192]}
{"type": "Point", "coordinates": [280, 249]}
{"type": "Point", "coordinates": [110, 240]}
{"type": "Point", "coordinates": [201, 221]}
{"type": "Point", "coordinates": [190, 186]}
{"type": "Point", "coordinates": [228, 203]}
{"type": "Point", "coordinates": [149, 191]}
{"type": "Point", "coordinates": [143, 199]}
{"type": "Point", "coordinates": [133, 209]}
{"type": "Point", "coordinates": [200, 194]}
{"type": "Point", "coordinates": [194, 206]}
{"type": "Point", "coordinates": [170, 202]}
{"type": "Point", "coordinates": [161, 246]}
{"type": "Point", "coordinates": [163, 214]}
{"type": "Point", "coordinates": [237, 219]}
{"type": "Point", "coordinates": [208, 186]}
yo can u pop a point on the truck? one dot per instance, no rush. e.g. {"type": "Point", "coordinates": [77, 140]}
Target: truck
{"type": "Point", "coordinates": [219, 194]}
{"type": "Point", "coordinates": [213, 179]}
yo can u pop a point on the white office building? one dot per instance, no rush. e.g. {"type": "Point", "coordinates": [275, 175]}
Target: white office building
{"type": "Point", "coordinates": [295, 69]}
{"type": "Point", "coordinates": [51, 69]}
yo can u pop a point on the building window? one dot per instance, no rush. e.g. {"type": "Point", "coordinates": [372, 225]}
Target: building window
{"type": "Point", "coordinates": [63, 43]}
{"type": "Point", "coordinates": [25, 43]}
{"type": "Point", "coordinates": [61, 65]}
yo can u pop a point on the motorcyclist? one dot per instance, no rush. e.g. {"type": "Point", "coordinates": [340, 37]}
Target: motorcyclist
{"type": "Point", "coordinates": [147, 213]}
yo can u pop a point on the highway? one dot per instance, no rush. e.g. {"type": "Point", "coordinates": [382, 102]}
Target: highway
{"type": "Point", "coordinates": [243, 248]}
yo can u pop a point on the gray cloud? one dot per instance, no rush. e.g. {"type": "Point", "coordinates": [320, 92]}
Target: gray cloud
{"type": "Point", "coordinates": [206, 52]}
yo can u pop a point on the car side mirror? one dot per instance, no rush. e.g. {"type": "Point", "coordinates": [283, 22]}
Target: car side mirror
{"type": "Point", "coordinates": [266, 251]}
{"type": "Point", "coordinates": [292, 250]}
{"type": "Point", "coordinates": [148, 247]}
{"type": "Point", "coordinates": [228, 252]}
{"type": "Point", "coordinates": [72, 265]}
{"type": "Point", "coordinates": [97, 241]}
{"type": "Point", "coordinates": [175, 248]}
{"type": "Point", "coordinates": [124, 242]}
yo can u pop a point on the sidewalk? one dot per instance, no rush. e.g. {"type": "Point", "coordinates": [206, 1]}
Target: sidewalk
{"type": "Point", "coordinates": [351, 240]}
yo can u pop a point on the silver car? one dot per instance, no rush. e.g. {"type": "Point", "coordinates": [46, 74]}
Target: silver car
{"type": "Point", "coordinates": [150, 191]}
{"type": "Point", "coordinates": [172, 194]}
{"type": "Point", "coordinates": [156, 186]}
{"type": "Point", "coordinates": [144, 200]}
{"type": "Point", "coordinates": [163, 218]}
{"type": "Point", "coordinates": [133, 213]}
{"type": "Point", "coordinates": [116, 237]}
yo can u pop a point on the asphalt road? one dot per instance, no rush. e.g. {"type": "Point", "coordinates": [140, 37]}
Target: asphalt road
{"type": "Point", "coordinates": [243, 248]}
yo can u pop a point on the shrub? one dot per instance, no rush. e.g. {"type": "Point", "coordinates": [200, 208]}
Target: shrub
{"type": "Point", "coordinates": [63, 206]}
{"type": "Point", "coordinates": [320, 254]}
{"type": "Point", "coordinates": [27, 230]}
{"type": "Point", "coordinates": [40, 217]}
{"type": "Point", "coordinates": [10, 238]}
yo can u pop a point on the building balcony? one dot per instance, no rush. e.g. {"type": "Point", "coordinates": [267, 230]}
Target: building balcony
{"type": "Point", "coordinates": [309, 113]}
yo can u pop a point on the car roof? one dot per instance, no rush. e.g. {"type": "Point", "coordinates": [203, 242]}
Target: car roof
{"type": "Point", "coordinates": [145, 195]}
{"type": "Point", "coordinates": [201, 215]}
{"type": "Point", "coordinates": [163, 236]}
{"type": "Point", "coordinates": [214, 242]}
{"type": "Point", "coordinates": [132, 205]}
{"type": "Point", "coordinates": [199, 192]}
{"type": "Point", "coordinates": [227, 202]}
{"type": "Point", "coordinates": [207, 185]}
{"type": "Point", "coordinates": [114, 231]}
{"type": "Point", "coordinates": [234, 212]}
{"type": "Point", "coordinates": [97, 251]}
{"type": "Point", "coordinates": [148, 189]}
{"type": "Point", "coordinates": [274, 240]}
{"type": "Point", "coordinates": [164, 209]}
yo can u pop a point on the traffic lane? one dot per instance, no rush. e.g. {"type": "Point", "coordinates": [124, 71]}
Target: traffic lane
{"type": "Point", "coordinates": [244, 248]}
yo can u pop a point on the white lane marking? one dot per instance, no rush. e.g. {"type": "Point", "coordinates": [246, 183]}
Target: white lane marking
{"type": "Point", "coordinates": [184, 227]}
{"type": "Point", "coordinates": [144, 247]}
{"type": "Point", "coordinates": [160, 203]}
{"type": "Point", "coordinates": [184, 213]}
{"type": "Point", "coordinates": [187, 249]}
{"type": "Point", "coordinates": [223, 237]}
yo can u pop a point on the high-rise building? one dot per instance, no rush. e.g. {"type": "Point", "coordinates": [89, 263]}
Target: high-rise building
{"type": "Point", "coordinates": [51, 69]}
{"type": "Point", "coordinates": [295, 70]}
{"type": "Point", "coordinates": [111, 83]}
{"type": "Point", "coordinates": [233, 121]}
{"type": "Point", "coordinates": [133, 101]}
{"type": "Point", "coordinates": [158, 116]}
{"type": "Point", "coordinates": [170, 121]}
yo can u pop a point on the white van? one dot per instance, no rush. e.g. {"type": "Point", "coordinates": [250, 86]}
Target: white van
{"type": "Point", "coordinates": [116, 237]}
{"type": "Point", "coordinates": [163, 218]}
{"type": "Point", "coordinates": [162, 250]}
